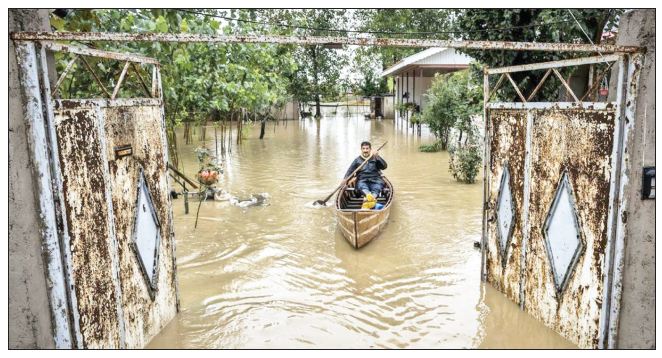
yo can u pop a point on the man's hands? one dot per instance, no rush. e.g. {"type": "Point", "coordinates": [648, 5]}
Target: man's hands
{"type": "Point", "coordinates": [375, 153]}
{"type": "Point", "coordinates": [349, 182]}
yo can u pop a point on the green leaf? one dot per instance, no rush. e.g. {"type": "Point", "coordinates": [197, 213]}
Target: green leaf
{"type": "Point", "coordinates": [161, 24]}
{"type": "Point", "coordinates": [58, 23]}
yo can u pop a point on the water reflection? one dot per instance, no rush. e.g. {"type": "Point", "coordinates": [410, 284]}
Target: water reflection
{"type": "Point", "coordinates": [281, 276]}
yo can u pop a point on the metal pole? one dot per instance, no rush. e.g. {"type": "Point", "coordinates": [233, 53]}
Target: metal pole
{"type": "Point", "coordinates": [185, 200]}
{"type": "Point", "coordinates": [483, 246]}
{"type": "Point", "coordinates": [319, 40]}
{"type": "Point", "coordinates": [554, 64]}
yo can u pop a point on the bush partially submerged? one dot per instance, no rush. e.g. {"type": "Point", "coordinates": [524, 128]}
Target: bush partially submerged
{"type": "Point", "coordinates": [464, 163]}
{"type": "Point", "coordinates": [430, 148]}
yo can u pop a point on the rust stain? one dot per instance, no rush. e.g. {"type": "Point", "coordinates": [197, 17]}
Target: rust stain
{"type": "Point", "coordinates": [84, 192]}
{"type": "Point", "coordinates": [82, 162]}
{"type": "Point", "coordinates": [508, 140]}
{"type": "Point", "coordinates": [573, 140]}
{"type": "Point", "coordinates": [579, 142]}
{"type": "Point", "coordinates": [140, 126]}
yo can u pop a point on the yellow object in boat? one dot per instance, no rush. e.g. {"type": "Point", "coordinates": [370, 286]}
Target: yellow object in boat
{"type": "Point", "coordinates": [369, 202]}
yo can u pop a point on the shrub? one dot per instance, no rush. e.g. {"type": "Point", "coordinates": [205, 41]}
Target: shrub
{"type": "Point", "coordinates": [430, 148]}
{"type": "Point", "coordinates": [464, 163]}
{"type": "Point", "coordinates": [415, 118]}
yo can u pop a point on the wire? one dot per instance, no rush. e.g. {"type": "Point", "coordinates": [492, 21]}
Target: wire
{"type": "Point", "coordinates": [588, 37]}
{"type": "Point", "coordinates": [376, 32]}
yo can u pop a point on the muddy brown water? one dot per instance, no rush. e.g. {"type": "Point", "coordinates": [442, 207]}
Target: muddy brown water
{"type": "Point", "coordinates": [282, 276]}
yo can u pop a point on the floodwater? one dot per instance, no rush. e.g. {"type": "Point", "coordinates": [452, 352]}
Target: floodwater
{"type": "Point", "coordinates": [282, 276]}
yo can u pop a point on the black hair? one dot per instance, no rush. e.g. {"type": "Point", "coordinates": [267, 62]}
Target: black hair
{"type": "Point", "coordinates": [366, 143]}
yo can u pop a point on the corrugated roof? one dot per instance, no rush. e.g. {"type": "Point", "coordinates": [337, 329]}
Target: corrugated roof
{"type": "Point", "coordinates": [425, 57]}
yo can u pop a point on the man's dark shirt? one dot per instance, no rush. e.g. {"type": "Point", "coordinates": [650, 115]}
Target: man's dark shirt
{"type": "Point", "coordinates": [371, 169]}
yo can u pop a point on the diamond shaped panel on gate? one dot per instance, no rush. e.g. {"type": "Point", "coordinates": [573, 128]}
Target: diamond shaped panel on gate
{"type": "Point", "coordinates": [562, 234]}
{"type": "Point", "coordinates": [146, 235]}
{"type": "Point", "coordinates": [505, 214]}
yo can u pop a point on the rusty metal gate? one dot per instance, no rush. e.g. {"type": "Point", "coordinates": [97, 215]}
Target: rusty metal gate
{"type": "Point", "coordinates": [105, 204]}
{"type": "Point", "coordinates": [553, 221]}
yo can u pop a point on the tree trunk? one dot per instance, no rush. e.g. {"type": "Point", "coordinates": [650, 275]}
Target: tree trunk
{"type": "Point", "coordinates": [313, 52]}
{"type": "Point", "coordinates": [262, 127]}
{"type": "Point", "coordinates": [318, 113]}
{"type": "Point", "coordinates": [444, 139]}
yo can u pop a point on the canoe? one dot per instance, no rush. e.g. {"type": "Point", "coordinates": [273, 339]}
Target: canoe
{"type": "Point", "coordinates": [358, 226]}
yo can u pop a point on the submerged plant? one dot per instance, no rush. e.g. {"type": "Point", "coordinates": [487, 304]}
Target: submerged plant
{"type": "Point", "coordinates": [210, 169]}
{"type": "Point", "coordinates": [464, 163]}
{"type": "Point", "coordinates": [430, 148]}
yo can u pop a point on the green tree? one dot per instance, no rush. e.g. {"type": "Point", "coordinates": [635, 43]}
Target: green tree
{"type": "Point", "coordinates": [452, 100]}
{"type": "Point", "coordinates": [198, 79]}
{"type": "Point", "coordinates": [367, 64]}
{"type": "Point", "coordinates": [403, 23]}
{"type": "Point", "coordinates": [318, 73]}
{"type": "Point", "coordinates": [532, 25]}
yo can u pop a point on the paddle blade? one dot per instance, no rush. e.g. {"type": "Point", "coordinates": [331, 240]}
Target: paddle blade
{"type": "Point", "coordinates": [319, 203]}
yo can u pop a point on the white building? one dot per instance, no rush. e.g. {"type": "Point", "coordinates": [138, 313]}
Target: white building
{"type": "Point", "coordinates": [413, 75]}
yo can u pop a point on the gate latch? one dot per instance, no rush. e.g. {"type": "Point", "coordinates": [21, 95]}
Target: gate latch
{"type": "Point", "coordinates": [123, 151]}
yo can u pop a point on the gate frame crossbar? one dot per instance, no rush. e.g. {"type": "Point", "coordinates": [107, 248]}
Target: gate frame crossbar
{"type": "Point", "coordinates": [320, 40]}
{"type": "Point", "coordinates": [550, 66]}
{"type": "Point", "coordinates": [80, 52]}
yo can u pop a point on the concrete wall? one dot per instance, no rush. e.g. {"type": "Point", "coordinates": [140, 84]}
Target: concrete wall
{"type": "Point", "coordinates": [29, 311]}
{"type": "Point", "coordinates": [416, 88]}
{"type": "Point", "coordinates": [422, 86]}
{"type": "Point", "coordinates": [637, 316]}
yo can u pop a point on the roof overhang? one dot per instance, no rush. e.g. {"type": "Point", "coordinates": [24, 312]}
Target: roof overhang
{"type": "Point", "coordinates": [425, 70]}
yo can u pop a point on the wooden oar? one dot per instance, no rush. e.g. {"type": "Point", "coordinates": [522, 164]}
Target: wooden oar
{"type": "Point", "coordinates": [323, 202]}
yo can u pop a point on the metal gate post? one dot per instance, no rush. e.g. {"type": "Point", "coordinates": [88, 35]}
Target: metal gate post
{"type": "Point", "coordinates": [627, 107]}
{"type": "Point", "coordinates": [483, 244]}
{"type": "Point", "coordinates": [613, 205]}
{"type": "Point", "coordinates": [63, 230]}
{"type": "Point", "coordinates": [37, 136]}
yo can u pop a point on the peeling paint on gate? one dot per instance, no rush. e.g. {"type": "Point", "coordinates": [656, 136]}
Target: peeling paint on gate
{"type": "Point", "coordinates": [116, 308]}
{"type": "Point", "coordinates": [90, 226]}
{"type": "Point", "coordinates": [579, 142]}
{"type": "Point", "coordinates": [507, 145]}
{"type": "Point", "coordinates": [573, 210]}
{"type": "Point", "coordinates": [141, 127]}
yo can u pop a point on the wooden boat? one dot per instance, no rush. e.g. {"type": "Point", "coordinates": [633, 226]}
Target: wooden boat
{"type": "Point", "coordinates": [360, 226]}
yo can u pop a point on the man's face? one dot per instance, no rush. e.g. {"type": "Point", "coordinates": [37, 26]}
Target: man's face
{"type": "Point", "coordinates": [365, 150]}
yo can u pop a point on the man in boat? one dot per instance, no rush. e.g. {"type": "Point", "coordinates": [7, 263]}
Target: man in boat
{"type": "Point", "coordinates": [370, 181]}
